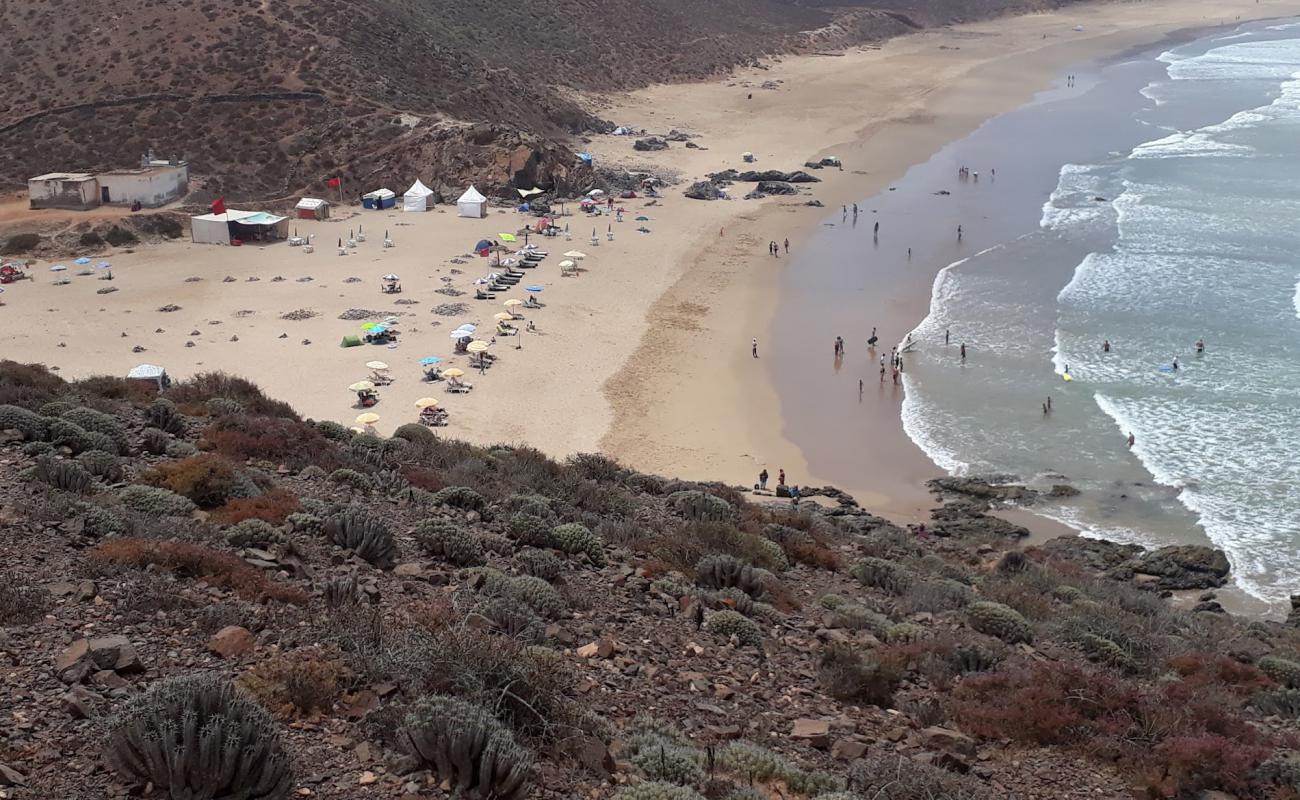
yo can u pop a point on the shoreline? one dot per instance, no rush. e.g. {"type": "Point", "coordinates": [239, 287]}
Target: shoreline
{"type": "Point", "coordinates": [732, 427]}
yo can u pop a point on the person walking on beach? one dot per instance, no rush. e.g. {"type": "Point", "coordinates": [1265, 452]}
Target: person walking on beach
{"type": "Point", "coordinates": [787, 247]}
{"type": "Point", "coordinates": [947, 333]}
{"type": "Point", "coordinates": [753, 346]}
{"type": "Point", "coordinates": [762, 479]}
{"type": "Point", "coordinates": [876, 230]}
{"type": "Point", "coordinates": [855, 209]}
{"type": "Point", "coordinates": [872, 341]}
{"type": "Point", "coordinates": [963, 352]}
{"type": "Point", "coordinates": [780, 477]}
{"type": "Point", "coordinates": [1132, 440]}
{"type": "Point", "coordinates": [859, 388]}
{"type": "Point", "coordinates": [959, 233]}
{"type": "Point", "coordinates": [882, 369]}
{"type": "Point", "coordinates": [909, 254]}
{"type": "Point", "coordinates": [1105, 346]}
{"type": "Point", "coordinates": [895, 376]}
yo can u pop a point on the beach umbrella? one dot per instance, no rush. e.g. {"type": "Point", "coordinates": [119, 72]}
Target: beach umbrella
{"type": "Point", "coordinates": [506, 237]}
{"type": "Point", "coordinates": [104, 265]}
{"type": "Point", "coordinates": [513, 303]}
{"type": "Point", "coordinates": [468, 326]}
{"type": "Point", "coordinates": [391, 277]}
{"type": "Point", "coordinates": [81, 261]}
{"type": "Point", "coordinates": [425, 402]}
{"type": "Point", "coordinates": [502, 316]}
{"type": "Point", "coordinates": [368, 418]}
{"type": "Point", "coordinates": [58, 268]}
{"type": "Point", "coordinates": [458, 335]}
{"type": "Point", "coordinates": [361, 386]}
{"type": "Point", "coordinates": [483, 244]}
{"type": "Point", "coordinates": [369, 326]}
{"type": "Point", "coordinates": [477, 346]}
{"type": "Point", "coordinates": [429, 361]}
{"type": "Point", "coordinates": [565, 264]}
{"type": "Point", "coordinates": [533, 289]}
{"type": "Point", "coordinates": [577, 255]}
{"type": "Point", "coordinates": [643, 218]}
{"type": "Point", "coordinates": [379, 365]}
{"type": "Point", "coordinates": [454, 373]}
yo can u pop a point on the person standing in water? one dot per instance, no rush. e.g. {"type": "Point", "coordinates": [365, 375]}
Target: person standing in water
{"type": "Point", "coordinates": [1200, 347]}
{"type": "Point", "coordinates": [963, 351]}
{"type": "Point", "coordinates": [947, 335]}
{"type": "Point", "coordinates": [1105, 346]}
{"type": "Point", "coordinates": [1175, 364]}
{"type": "Point", "coordinates": [1132, 440]}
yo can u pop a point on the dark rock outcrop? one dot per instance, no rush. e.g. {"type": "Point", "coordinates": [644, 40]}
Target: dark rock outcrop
{"type": "Point", "coordinates": [1187, 566]}
{"type": "Point", "coordinates": [1098, 555]}
{"type": "Point", "coordinates": [650, 143]}
{"type": "Point", "coordinates": [703, 190]}
{"type": "Point", "coordinates": [775, 187]}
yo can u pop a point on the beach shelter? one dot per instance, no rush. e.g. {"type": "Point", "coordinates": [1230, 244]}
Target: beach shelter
{"type": "Point", "coordinates": [418, 197]}
{"type": "Point", "coordinates": [350, 341]}
{"type": "Point", "coordinates": [312, 208]}
{"type": "Point", "coordinates": [472, 204]}
{"type": "Point", "coordinates": [150, 373]}
{"type": "Point", "coordinates": [379, 199]}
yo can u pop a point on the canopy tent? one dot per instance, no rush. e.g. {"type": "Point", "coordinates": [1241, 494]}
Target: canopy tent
{"type": "Point", "coordinates": [527, 193]}
{"type": "Point", "coordinates": [417, 197]}
{"type": "Point", "coordinates": [233, 224]}
{"type": "Point", "coordinates": [379, 199]}
{"type": "Point", "coordinates": [472, 204]}
{"type": "Point", "coordinates": [151, 373]}
{"type": "Point", "coordinates": [312, 208]}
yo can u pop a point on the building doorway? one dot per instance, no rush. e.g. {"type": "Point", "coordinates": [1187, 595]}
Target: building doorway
{"type": "Point", "coordinates": [103, 194]}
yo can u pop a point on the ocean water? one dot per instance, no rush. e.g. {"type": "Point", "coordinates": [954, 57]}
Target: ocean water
{"type": "Point", "coordinates": [1182, 223]}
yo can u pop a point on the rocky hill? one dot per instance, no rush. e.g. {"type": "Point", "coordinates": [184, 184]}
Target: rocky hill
{"type": "Point", "coordinates": [268, 98]}
{"type": "Point", "coordinates": [204, 595]}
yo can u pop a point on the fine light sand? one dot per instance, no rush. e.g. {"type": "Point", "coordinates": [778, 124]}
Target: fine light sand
{"type": "Point", "coordinates": [645, 354]}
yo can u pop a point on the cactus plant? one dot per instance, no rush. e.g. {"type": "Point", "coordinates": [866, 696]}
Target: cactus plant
{"type": "Point", "coordinates": [721, 571]}
{"type": "Point", "coordinates": [351, 479]}
{"type": "Point", "coordinates": [1001, 621]}
{"type": "Point", "coordinates": [538, 563]}
{"type": "Point", "coordinates": [882, 574]}
{"type": "Point", "coordinates": [32, 426]}
{"type": "Point", "coordinates": [154, 441]}
{"type": "Point", "coordinates": [389, 482]}
{"type": "Point", "coordinates": [904, 633]}
{"type": "Point", "coordinates": [733, 598]}
{"type": "Point", "coordinates": [730, 623]}
{"type": "Point", "coordinates": [34, 449]}
{"type": "Point", "coordinates": [354, 529]}
{"type": "Point", "coordinates": [537, 594]}
{"type": "Point", "coordinates": [342, 591]}
{"type": "Point", "coordinates": [654, 790]}
{"type": "Point", "coordinates": [530, 529]}
{"type": "Point", "coordinates": [754, 763]}
{"type": "Point", "coordinates": [155, 502]}
{"type": "Point", "coordinates": [1067, 594]}
{"type": "Point", "coordinates": [576, 539]}
{"type": "Point", "coordinates": [449, 542]}
{"type": "Point", "coordinates": [971, 658]}
{"type": "Point", "coordinates": [56, 408]}
{"type": "Point", "coordinates": [669, 763]}
{"type": "Point", "coordinates": [334, 431]}
{"type": "Point", "coordinates": [461, 497]}
{"type": "Point", "coordinates": [514, 619]}
{"type": "Point", "coordinates": [102, 465]}
{"type": "Point", "coordinates": [701, 506]}
{"type": "Point", "coordinates": [302, 521]}
{"type": "Point", "coordinates": [162, 414]}
{"type": "Point", "coordinates": [179, 448]}
{"type": "Point", "coordinates": [99, 521]}
{"type": "Point", "coordinates": [199, 736]}
{"type": "Point", "coordinates": [854, 617]}
{"type": "Point", "coordinates": [466, 747]}
{"type": "Point", "coordinates": [92, 421]}
{"type": "Point", "coordinates": [223, 407]}
{"type": "Point", "coordinates": [68, 476]}
{"type": "Point", "coordinates": [1283, 671]}
{"type": "Point", "coordinates": [534, 504]}
{"type": "Point", "coordinates": [253, 532]}
{"type": "Point", "coordinates": [1099, 648]}
{"type": "Point", "coordinates": [830, 602]}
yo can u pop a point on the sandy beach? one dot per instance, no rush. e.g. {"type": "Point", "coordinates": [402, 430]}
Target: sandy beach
{"type": "Point", "coordinates": [646, 353]}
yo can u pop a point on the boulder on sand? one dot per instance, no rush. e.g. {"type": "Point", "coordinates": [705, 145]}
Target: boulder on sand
{"type": "Point", "coordinates": [650, 143]}
{"type": "Point", "coordinates": [1188, 566]}
{"type": "Point", "coordinates": [703, 190]}
{"type": "Point", "coordinates": [775, 187]}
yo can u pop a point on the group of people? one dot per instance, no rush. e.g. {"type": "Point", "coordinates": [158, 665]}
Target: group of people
{"type": "Point", "coordinates": [774, 249]}
{"type": "Point", "coordinates": [793, 491]}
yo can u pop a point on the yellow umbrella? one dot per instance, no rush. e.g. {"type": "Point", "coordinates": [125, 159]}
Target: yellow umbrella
{"type": "Point", "coordinates": [376, 365]}
{"type": "Point", "coordinates": [576, 255]}
{"type": "Point", "coordinates": [502, 316]}
{"type": "Point", "coordinates": [477, 346]}
{"type": "Point", "coordinates": [425, 402]}
{"type": "Point", "coordinates": [368, 418]}
{"type": "Point", "coordinates": [361, 386]}
{"type": "Point", "coordinates": [453, 373]}
{"type": "Point", "coordinates": [506, 237]}
{"type": "Point", "coordinates": [513, 303]}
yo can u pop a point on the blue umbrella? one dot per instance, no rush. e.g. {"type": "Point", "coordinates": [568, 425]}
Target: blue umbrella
{"type": "Point", "coordinates": [483, 244]}
{"type": "Point", "coordinates": [430, 361]}
{"type": "Point", "coordinates": [82, 260]}
{"type": "Point", "coordinates": [378, 329]}
{"type": "Point", "coordinates": [533, 289]}
{"type": "Point", "coordinates": [103, 265]}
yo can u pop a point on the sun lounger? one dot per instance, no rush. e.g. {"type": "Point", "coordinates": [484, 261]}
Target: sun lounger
{"type": "Point", "coordinates": [459, 388]}
{"type": "Point", "coordinates": [479, 294]}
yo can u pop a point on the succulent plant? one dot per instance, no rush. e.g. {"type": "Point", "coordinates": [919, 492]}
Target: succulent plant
{"type": "Point", "coordinates": [701, 506]}
{"type": "Point", "coordinates": [754, 763]}
{"type": "Point", "coordinates": [92, 421]}
{"type": "Point", "coordinates": [102, 465]}
{"type": "Point", "coordinates": [414, 432]}
{"type": "Point", "coordinates": [99, 520]}
{"type": "Point", "coordinates": [199, 736]}
{"type": "Point", "coordinates": [334, 431]}
{"type": "Point", "coordinates": [461, 497]}
{"type": "Point", "coordinates": [56, 408]}
{"type": "Point", "coordinates": [576, 539]}
{"type": "Point", "coordinates": [1067, 594]}
{"type": "Point", "coordinates": [352, 479]}
{"type": "Point", "coordinates": [154, 441]}
{"type": "Point", "coordinates": [854, 617]}
{"type": "Point", "coordinates": [538, 563]}
{"type": "Point", "coordinates": [882, 574]}
{"type": "Point", "coordinates": [253, 532]}
{"type": "Point", "coordinates": [449, 542]}
{"type": "Point", "coordinates": [311, 472]}
{"type": "Point", "coordinates": [721, 571]}
{"type": "Point", "coordinates": [530, 529]}
{"type": "Point", "coordinates": [830, 602]}
{"type": "Point", "coordinates": [162, 414]}
{"type": "Point", "coordinates": [179, 448]}
{"type": "Point", "coordinates": [896, 777]}
{"type": "Point", "coordinates": [655, 790]}
{"type": "Point", "coordinates": [355, 529]}
{"type": "Point", "coordinates": [1001, 621]}
{"type": "Point", "coordinates": [155, 502]}
{"type": "Point", "coordinates": [728, 623]}
{"type": "Point", "coordinates": [1283, 671]}
{"type": "Point", "coordinates": [971, 658]}
{"type": "Point", "coordinates": [302, 521]}
{"type": "Point", "coordinates": [30, 424]}
{"type": "Point", "coordinates": [513, 618]}
{"type": "Point", "coordinates": [34, 449]}
{"type": "Point", "coordinates": [904, 633]}
{"type": "Point", "coordinates": [1282, 769]}
{"type": "Point", "coordinates": [224, 407]}
{"type": "Point", "coordinates": [669, 763]}
{"type": "Point", "coordinates": [1099, 648]}
{"type": "Point", "coordinates": [1284, 703]}
{"type": "Point", "coordinates": [63, 474]}
{"type": "Point", "coordinates": [533, 504]}
{"type": "Point", "coordinates": [342, 591]}
{"type": "Point", "coordinates": [732, 598]}
{"type": "Point", "coordinates": [62, 433]}
{"type": "Point", "coordinates": [537, 594]}
{"type": "Point", "coordinates": [467, 747]}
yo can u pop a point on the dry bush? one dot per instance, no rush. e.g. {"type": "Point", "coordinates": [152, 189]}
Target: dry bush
{"type": "Point", "coordinates": [28, 385]}
{"type": "Point", "coordinates": [197, 391]}
{"type": "Point", "coordinates": [205, 479]}
{"type": "Point", "coordinates": [20, 602]}
{"type": "Point", "coordinates": [188, 560]}
{"type": "Point", "coordinates": [683, 546]}
{"type": "Point", "coordinates": [298, 683]}
{"type": "Point", "coordinates": [273, 507]}
{"type": "Point", "coordinates": [279, 440]}
{"type": "Point", "coordinates": [851, 676]}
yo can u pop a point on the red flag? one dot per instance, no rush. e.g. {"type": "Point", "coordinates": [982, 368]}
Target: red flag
{"type": "Point", "coordinates": [219, 205]}
{"type": "Point", "coordinates": [335, 182]}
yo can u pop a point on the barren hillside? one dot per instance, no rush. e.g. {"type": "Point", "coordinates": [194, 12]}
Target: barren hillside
{"type": "Point", "coordinates": [267, 97]}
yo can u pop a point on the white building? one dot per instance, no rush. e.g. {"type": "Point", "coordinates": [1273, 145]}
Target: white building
{"type": "Point", "coordinates": [75, 190]}
{"type": "Point", "coordinates": [156, 182]}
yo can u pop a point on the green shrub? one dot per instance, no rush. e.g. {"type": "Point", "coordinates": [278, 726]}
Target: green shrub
{"type": "Point", "coordinates": [179, 448]}
{"type": "Point", "coordinates": [415, 433]}
{"type": "Point", "coordinates": [830, 602]}
{"type": "Point", "coordinates": [98, 520]}
{"type": "Point", "coordinates": [514, 619]}
{"type": "Point", "coordinates": [1283, 671]}
{"type": "Point", "coordinates": [352, 479]}
{"type": "Point", "coordinates": [655, 790]}
{"type": "Point", "coordinates": [575, 539]}
{"type": "Point", "coordinates": [854, 617]}
{"type": "Point", "coordinates": [729, 623]}
{"type": "Point", "coordinates": [1284, 703]}
{"type": "Point", "coordinates": [669, 763]}
{"type": "Point", "coordinates": [154, 502]}
{"type": "Point", "coordinates": [700, 506]}
{"type": "Point", "coordinates": [120, 237]}
{"type": "Point", "coordinates": [532, 504]}
{"type": "Point", "coordinates": [538, 563]}
{"type": "Point", "coordinates": [888, 776]}
{"type": "Point", "coordinates": [450, 542]}
{"type": "Point", "coordinates": [882, 574]}
{"type": "Point", "coordinates": [467, 747]}
{"type": "Point", "coordinates": [530, 530]}
{"type": "Point", "coordinates": [34, 449]}
{"type": "Point", "coordinates": [904, 633]}
{"type": "Point", "coordinates": [459, 497]}
{"type": "Point", "coordinates": [30, 424]}
{"type": "Point", "coordinates": [90, 420]}
{"type": "Point", "coordinates": [20, 243]}
{"type": "Point", "coordinates": [105, 466]}
{"type": "Point", "coordinates": [1001, 621]}
{"type": "Point", "coordinates": [253, 532]}
{"type": "Point", "coordinates": [334, 431]}
{"type": "Point", "coordinates": [63, 474]}
{"type": "Point", "coordinates": [206, 479]}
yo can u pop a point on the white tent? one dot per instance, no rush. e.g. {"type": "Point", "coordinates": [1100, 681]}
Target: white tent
{"type": "Point", "coordinates": [472, 204]}
{"type": "Point", "coordinates": [417, 197]}
{"type": "Point", "coordinates": [221, 228]}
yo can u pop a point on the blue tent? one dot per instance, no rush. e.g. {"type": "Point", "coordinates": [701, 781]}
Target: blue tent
{"type": "Point", "coordinates": [483, 244]}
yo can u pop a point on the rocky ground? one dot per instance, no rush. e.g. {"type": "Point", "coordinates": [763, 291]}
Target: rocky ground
{"type": "Point", "coordinates": [353, 608]}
